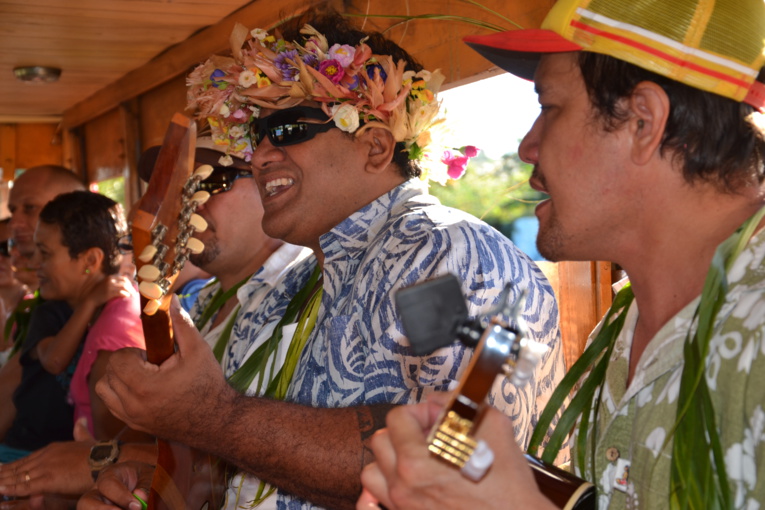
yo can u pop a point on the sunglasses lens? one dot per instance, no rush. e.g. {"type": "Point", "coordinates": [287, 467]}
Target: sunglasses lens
{"type": "Point", "coordinates": [5, 248]}
{"type": "Point", "coordinates": [288, 127]}
{"type": "Point", "coordinates": [287, 134]}
{"type": "Point", "coordinates": [222, 179]}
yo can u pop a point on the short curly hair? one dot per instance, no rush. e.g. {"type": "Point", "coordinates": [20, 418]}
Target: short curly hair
{"type": "Point", "coordinates": [88, 220]}
{"type": "Point", "coordinates": [339, 30]}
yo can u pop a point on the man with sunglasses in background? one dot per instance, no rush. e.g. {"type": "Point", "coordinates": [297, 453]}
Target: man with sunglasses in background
{"type": "Point", "coordinates": [341, 124]}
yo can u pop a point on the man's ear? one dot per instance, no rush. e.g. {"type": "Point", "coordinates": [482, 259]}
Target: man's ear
{"type": "Point", "coordinates": [649, 106]}
{"type": "Point", "coordinates": [380, 146]}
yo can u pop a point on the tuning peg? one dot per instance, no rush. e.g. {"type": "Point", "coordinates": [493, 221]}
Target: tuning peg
{"type": "Point", "coordinates": [150, 290]}
{"type": "Point", "coordinates": [148, 253]}
{"type": "Point", "coordinates": [151, 307]}
{"type": "Point", "coordinates": [148, 273]}
{"type": "Point", "coordinates": [198, 223]}
{"type": "Point", "coordinates": [203, 172]}
{"type": "Point", "coordinates": [195, 246]}
{"type": "Point", "coordinates": [200, 197]}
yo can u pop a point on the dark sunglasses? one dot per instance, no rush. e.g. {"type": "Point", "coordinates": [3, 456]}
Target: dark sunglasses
{"type": "Point", "coordinates": [222, 179]}
{"type": "Point", "coordinates": [288, 127]}
{"type": "Point", "coordinates": [5, 248]}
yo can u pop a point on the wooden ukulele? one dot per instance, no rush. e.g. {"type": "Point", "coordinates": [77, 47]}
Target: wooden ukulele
{"type": "Point", "coordinates": [164, 220]}
{"type": "Point", "coordinates": [434, 313]}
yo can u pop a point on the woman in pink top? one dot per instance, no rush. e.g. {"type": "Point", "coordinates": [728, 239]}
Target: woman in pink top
{"type": "Point", "coordinates": [77, 239]}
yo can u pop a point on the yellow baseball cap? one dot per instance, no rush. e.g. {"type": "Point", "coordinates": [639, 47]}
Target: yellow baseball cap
{"type": "Point", "coordinates": [713, 45]}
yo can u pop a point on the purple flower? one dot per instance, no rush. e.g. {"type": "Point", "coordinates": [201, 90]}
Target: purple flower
{"type": "Point", "coordinates": [332, 69]}
{"type": "Point", "coordinates": [215, 81]}
{"type": "Point", "coordinates": [311, 60]}
{"type": "Point", "coordinates": [371, 72]}
{"type": "Point", "coordinates": [289, 72]}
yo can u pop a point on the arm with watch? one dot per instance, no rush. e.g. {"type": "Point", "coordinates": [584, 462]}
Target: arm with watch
{"type": "Point", "coordinates": [68, 467]}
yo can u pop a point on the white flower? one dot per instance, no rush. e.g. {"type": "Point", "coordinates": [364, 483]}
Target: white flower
{"type": "Point", "coordinates": [425, 75]}
{"type": "Point", "coordinates": [236, 132]}
{"type": "Point", "coordinates": [346, 117]}
{"type": "Point", "coordinates": [247, 78]}
{"type": "Point", "coordinates": [225, 111]}
{"type": "Point", "coordinates": [226, 160]}
{"type": "Point", "coordinates": [259, 34]}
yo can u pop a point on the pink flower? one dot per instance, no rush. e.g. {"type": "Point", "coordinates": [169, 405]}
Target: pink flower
{"type": "Point", "coordinates": [470, 151]}
{"type": "Point", "coordinates": [457, 164]}
{"type": "Point", "coordinates": [332, 69]}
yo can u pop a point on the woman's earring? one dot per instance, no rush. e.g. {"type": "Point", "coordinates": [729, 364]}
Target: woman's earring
{"type": "Point", "coordinates": [87, 270]}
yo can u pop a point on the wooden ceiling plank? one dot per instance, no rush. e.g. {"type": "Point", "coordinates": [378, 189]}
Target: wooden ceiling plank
{"type": "Point", "coordinates": [177, 60]}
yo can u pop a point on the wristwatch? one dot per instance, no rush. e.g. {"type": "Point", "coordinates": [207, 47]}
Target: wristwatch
{"type": "Point", "coordinates": [102, 454]}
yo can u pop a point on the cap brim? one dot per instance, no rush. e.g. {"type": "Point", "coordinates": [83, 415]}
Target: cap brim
{"type": "Point", "coordinates": [518, 51]}
{"type": "Point", "coordinates": [202, 156]}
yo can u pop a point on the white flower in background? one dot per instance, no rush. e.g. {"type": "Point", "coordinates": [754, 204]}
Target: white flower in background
{"type": "Point", "coordinates": [424, 74]}
{"type": "Point", "coordinates": [259, 34]}
{"type": "Point", "coordinates": [226, 160]}
{"type": "Point", "coordinates": [236, 132]}
{"type": "Point", "coordinates": [247, 78]}
{"type": "Point", "coordinates": [346, 117]}
{"type": "Point", "coordinates": [225, 111]}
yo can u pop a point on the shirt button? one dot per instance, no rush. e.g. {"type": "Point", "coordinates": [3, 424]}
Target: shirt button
{"type": "Point", "coordinates": [612, 454]}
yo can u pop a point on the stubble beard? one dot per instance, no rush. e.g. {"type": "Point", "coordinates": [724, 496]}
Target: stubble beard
{"type": "Point", "coordinates": [208, 255]}
{"type": "Point", "coordinates": [550, 240]}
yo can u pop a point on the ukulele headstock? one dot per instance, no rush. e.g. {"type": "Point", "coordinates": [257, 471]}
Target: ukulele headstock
{"type": "Point", "coordinates": [162, 229]}
{"type": "Point", "coordinates": [434, 315]}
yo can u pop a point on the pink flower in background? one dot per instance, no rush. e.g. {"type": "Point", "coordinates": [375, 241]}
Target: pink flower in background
{"type": "Point", "coordinates": [457, 160]}
{"type": "Point", "coordinates": [457, 164]}
{"type": "Point", "coordinates": [470, 151]}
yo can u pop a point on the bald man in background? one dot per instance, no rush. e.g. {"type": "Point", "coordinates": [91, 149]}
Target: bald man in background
{"type": "Point", "coordinates": [30, 192]}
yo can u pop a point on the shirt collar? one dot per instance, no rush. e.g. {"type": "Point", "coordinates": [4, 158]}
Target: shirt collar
{"type": "Point", "coordinates": [351, 237]}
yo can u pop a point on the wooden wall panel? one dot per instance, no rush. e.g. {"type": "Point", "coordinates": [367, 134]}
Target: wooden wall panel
{"type": "Point", "coordinates": [583, 291]}
{"type": "Point", "coordinates": [157, 107]}
{"type": "Point", "coordinates": [28, 145]}
{"type": "Point", "coordinates": [105, 147]}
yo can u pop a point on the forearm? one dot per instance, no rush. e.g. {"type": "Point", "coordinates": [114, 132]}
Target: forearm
{"type": "Point", "coordinates": [316, 454]}
{"type": "Point", "coordinates": [10, 377]}
{"type": "Point", "coordinates": [55, 352]}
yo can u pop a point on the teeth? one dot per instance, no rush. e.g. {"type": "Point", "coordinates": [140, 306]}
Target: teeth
{"type": "Point", "coordinates": [273, 186]}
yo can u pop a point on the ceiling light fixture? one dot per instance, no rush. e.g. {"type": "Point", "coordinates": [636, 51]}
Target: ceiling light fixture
{"type": "Point", "coordinates": [37, 74]}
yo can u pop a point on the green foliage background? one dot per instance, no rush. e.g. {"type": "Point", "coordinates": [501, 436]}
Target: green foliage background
{"type": "Point", "coordinates": [495, 190]}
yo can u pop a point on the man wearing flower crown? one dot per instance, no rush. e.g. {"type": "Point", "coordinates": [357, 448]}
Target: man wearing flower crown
{"type": "Point", "coordinates": [342, 126]}
{"type": "Point", "coordinates": [651, 146]}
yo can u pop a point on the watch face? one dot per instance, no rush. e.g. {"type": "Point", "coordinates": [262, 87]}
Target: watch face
{"type": "Point", "coordinates": [101, 452]}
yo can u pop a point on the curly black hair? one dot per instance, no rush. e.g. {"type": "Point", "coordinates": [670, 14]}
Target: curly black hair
{"type": "Point", "coordinates": [338, 29]}
{"type": "Point", "coordinates": [88, 220]}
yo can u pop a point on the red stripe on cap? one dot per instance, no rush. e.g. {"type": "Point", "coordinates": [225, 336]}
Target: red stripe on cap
{"type": "Point", "coordinates": [661, 54]}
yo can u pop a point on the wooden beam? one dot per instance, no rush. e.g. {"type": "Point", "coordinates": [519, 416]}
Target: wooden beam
{"type": "Point", "coordinates": [179, 59]}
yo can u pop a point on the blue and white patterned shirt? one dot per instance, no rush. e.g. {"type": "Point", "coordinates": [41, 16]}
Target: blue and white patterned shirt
{"type": "Point", "coordinates": [358, 353]}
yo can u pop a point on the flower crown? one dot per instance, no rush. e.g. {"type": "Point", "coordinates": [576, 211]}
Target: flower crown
{"type": "Point", "coordinates": [356, 88]}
